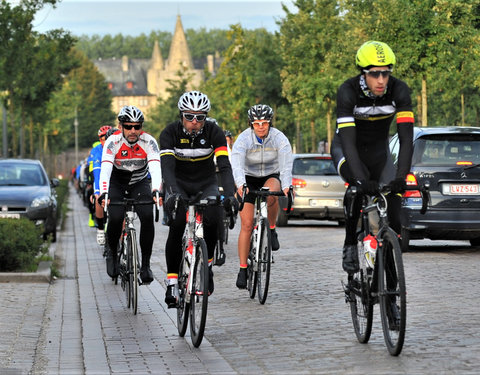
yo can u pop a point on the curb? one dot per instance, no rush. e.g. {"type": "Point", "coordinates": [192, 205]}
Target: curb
{"type": "Point", "coordinates": [43, 274]}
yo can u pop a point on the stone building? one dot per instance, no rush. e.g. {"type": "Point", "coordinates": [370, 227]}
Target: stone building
{"type": "Point", "coordinates": [140, 81]}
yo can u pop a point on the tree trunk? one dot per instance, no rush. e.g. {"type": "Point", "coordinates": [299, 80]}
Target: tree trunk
{"type": "Point", "coordinates": [419, 110]}
{"type": "Point", "coordinates": [30, 140]}
{"type": "Point", "coordinates": [462, 101]}
{"type": "Point", "coordinates": [424, 101]}
{"type": "Point", "coordinates": [298, 137]}
{"type": "Point", "coordinates": [14, 130]}
{"type": "Point", "coordinates": [313, 137]}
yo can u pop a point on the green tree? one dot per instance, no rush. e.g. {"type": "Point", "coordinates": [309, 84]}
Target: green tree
{"type": "Point", "coordinates": [249, 74]}
{"type": "Point", "coordinates": [315, 62]}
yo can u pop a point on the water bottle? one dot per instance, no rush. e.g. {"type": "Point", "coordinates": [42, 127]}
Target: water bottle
{"type": "Point", "coordinates": [370, 250]}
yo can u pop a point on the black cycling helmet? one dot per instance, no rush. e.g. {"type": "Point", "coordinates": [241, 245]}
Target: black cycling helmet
{"type": "Point", "coordinates": [260, 112]}
{"type": "Point", "coordinates": [130, 113]}
{"type": "Point", "coordinates": [110, 132]}
{"type": "Point", "coordinates": [228, 133]}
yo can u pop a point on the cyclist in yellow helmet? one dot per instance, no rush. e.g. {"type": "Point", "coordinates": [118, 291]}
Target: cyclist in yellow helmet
{"type": "Point", "coordinates": [366, 106]}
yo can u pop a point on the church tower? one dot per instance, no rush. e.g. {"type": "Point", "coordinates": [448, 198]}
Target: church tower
{"type": "Point", "coordinates": [179, 56]}
{"type": "Point", "coordinates": [155, 70]}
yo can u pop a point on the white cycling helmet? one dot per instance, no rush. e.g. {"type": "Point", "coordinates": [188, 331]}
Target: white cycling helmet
{"type": "Point", "coordinates": [130, 113]}
{"type": "Point", "coordinates": [194, 101]}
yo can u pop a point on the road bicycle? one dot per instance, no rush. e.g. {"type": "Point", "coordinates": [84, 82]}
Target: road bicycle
{"type": "Point", "coordinates": [260, 254]}
{"type": "Point", "coordinates": [381, 277]}
{"type": "Point", "coordinates": [127, 252]}
{"type": "Point", "coordinates": [193, 275]}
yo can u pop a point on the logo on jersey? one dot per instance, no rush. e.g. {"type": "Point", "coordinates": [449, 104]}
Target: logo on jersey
{"type": "Point", "coordinates": [203, 141]}
{"type": "Point", "coordinates": [184, 140]}
{"type": "Point", "coordinates": [124, 153]}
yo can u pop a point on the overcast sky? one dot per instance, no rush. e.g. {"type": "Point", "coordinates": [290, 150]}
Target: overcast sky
{"type": "Point", "coordinates": [89, 17]}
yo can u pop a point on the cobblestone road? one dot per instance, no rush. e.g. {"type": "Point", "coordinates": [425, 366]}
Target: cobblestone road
{"type": "Point", "coordinates": [80, 323]}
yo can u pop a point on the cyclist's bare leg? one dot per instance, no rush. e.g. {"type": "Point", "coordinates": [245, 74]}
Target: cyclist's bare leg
{"type": "Point", "coordinates": [246, 216]}
{"type": "Point", "coordinates": [272, 201]}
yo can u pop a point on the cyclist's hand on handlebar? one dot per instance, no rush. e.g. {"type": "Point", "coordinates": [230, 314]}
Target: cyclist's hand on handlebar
{"type": "Point", "coordinates": [101, 199]}
{"type": "Point", "coordinates": [398, 185]}
{"type": "Point", "coordinates": [367, 187]}
{"type": "Point", "coordinates": [154, 196]}
{"type": "Point", "coordinates": [231, 205]}
{"type": "Point", "coordinates": [170, 202]}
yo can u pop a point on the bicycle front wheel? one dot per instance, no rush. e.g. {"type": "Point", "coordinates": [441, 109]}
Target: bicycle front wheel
{"type": "Point", "coordinates": [199, 297]}
{"type": "Point", "coordinates": [392, 292]}
{"type": "Point", "coordinates": [359, 298]}
{"type": "Point", "coordinates": [133, 270]}
{"type": "Point", "coordinates": [183, 307]}
{"type": "Point", "coordinates": [264, 261]}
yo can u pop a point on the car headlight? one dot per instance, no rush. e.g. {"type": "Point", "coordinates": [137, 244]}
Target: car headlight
{"type": "Point", "coordinates": [40, 201]}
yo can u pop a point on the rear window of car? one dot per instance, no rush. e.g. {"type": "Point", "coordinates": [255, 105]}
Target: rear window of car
{"type": "Point", "coordinates": [446, 149]}
{"type": "Point", "coordinates": [313, 167]}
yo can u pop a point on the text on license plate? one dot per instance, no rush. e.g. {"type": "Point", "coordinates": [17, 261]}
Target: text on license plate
{"type": "Point", "coordinates": [324, 202]}
{"type": "Point", "coordinates": [464, 189]}
{"type": "Point", "coordinates": [9, 216]}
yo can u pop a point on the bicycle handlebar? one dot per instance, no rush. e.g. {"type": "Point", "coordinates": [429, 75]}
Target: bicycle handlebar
{"type": "Point", "coordinates": [265, 193]}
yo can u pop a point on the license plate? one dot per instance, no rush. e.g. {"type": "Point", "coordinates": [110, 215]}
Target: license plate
{"type": "Point", "coordinates": [9, 216]}
{"type": "Point", "coordinates": [324, 202]}
{"type": "Point", "coordinates": [463, 189]}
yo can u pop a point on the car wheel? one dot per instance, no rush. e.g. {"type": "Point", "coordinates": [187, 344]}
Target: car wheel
{"type": "Point", "coordinates": [405, 240]}
{"type": "Point", "coordinates": [475, 241]}
{"type": "Point", "coordinates": [282, 219]}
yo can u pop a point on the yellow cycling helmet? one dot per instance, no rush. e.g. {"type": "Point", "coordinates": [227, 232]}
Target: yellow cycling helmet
{"type": "Point", "coordinates": [373, 53]}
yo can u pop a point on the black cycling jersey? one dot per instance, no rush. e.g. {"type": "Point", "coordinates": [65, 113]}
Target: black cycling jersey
{"type": "Point", "coordinates": [363, 124]}
{"type": "Point", "coordinates": [187, 160]}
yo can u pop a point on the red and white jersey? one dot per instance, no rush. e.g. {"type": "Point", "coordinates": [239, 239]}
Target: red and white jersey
{"type": "Point", "coordinates": [130, 163]}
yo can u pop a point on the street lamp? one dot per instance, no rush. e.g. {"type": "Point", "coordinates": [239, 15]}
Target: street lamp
{"type": "Point", "coordinates": [75, 125]}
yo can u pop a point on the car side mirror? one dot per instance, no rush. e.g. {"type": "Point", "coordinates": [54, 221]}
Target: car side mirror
{"type": "Point", "coordinates": [54, 182]}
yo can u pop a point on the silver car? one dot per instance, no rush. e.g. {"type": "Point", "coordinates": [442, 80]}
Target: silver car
{"type": "Point", "coordinates": [319, 190]}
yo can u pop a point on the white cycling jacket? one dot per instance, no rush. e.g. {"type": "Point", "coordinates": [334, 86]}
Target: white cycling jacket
{"type": "Point", "coordinates": [252, 158]}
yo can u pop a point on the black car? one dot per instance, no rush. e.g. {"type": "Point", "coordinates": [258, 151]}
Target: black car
{"type": "Point", "coordinates": [448, 159]}
{"type": "Point", "coordinates": [26, 191]}
{"type": "Point", "coordinates": [319, 190]}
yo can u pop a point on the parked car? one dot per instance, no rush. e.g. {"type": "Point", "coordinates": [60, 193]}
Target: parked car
{"type": "Point", "coordinates": [26, 191]}
{"type": "Point", "coordinates": [319, 190]}
{"type": "Point", "coordinates": [448, 159]}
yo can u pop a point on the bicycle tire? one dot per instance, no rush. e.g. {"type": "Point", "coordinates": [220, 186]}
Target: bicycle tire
{"type": "Point", "coordinates": [134, 274]}
{"type": "Point", "coordinates": [392, 291]}
{"type": "Point", "coordinates": [264, 261]}
{"type": "Point", "coordinates": [125, 276]}
{"type": "Point", "coordinates": [183, 308]}
{"type": "Point", "coordinates": [199, 297]}
{"type": "Point", "coordinates": [251, 273]}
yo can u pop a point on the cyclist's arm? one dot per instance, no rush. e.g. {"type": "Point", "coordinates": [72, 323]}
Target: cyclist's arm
{"type": "Point", "coordinates": [223, 163]}
{"type": "Point", "coordinates": [346, 129]}
{"type": "Point", "coordinates": [285, 161]}
{"type": "Point", "coordinates": [167, 159]}
{"type": "Point", "coordinates": [108, 157]}
{"type": "Point", "coordinates": [405, 121]}
{"type": "Point", "coordinates": [153, 157]}
{"type": "Point", "coordinates": [97, 164]}
{"type": "Point", "coordinates": [239, 153]}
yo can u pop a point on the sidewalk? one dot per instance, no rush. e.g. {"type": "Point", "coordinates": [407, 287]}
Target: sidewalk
{"type": "Point", "coordinates": [79, 323]}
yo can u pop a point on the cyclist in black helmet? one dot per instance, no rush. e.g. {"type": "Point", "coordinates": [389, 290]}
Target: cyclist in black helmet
{"type": "Point", "coordinates": [261, 156]}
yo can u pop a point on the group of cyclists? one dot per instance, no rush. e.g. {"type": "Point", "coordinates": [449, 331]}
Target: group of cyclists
{"type": "Point", "coordinates": [195, 155]}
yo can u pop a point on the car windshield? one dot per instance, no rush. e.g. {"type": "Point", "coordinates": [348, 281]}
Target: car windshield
{"type": "Point", "coordinates": [21, 174]}
{"type": "Point", "coordinates": [313, 167]}
{"type": "Point", "coordinates": [447, 150]}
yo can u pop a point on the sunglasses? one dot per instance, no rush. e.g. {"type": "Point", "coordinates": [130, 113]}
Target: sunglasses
{"type": "Point", "coordinates": [261, 123]}
{"type": "Point", "coordinates": [377, 73]}
{"type": "Point", "coordinates": [191, 116]}
{"type": "Point", "coordinates": [129, 127]}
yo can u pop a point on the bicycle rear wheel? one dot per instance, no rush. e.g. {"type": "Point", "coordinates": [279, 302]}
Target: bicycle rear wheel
{"type": "Point", "coordinates": [133, 270]}
{"type": "Point", "coordinates": [264, 261]}
{"type": "Point", "coordinates": [359, 297]}
{"type": "Point", "coordinates": [183, 307]}
{"type": "Point", "coordinates": [392, 292]}
{"type": "Point", "coordinates": [199, 297]}
{"type": "Point", "coordinates": [251, 273]}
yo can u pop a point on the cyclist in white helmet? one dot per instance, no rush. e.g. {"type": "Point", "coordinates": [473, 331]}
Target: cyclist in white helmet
{"type": "Point", "coordinates": [130, 168]}
{"type": "Point", "coordinates": [187, 149]}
